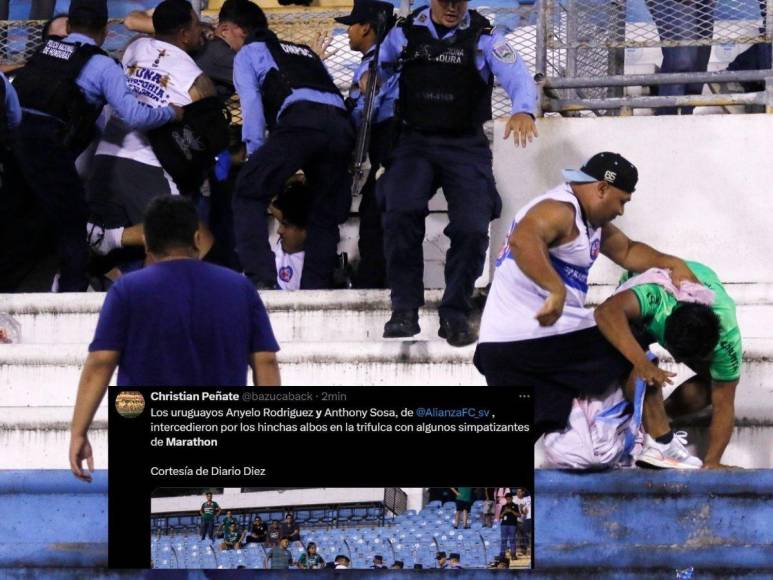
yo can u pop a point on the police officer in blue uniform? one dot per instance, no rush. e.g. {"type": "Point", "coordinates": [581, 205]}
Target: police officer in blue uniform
{"type": "Point", "coordinates": [284, 87]}
{"type": "Point", "coordinates": [62, 90]}
{"type": "Point", "coordinates": [446, 57]}
{"type": "Point", "coordinates": [10, 116]}
{"type": "Point", "coordinates": [363, 24]}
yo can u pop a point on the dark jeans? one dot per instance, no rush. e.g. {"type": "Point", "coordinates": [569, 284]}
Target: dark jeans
{"type": "Point", "coordinates": [523, 536]}
{"type": "Point", "coordinates": [680, 20]}
{"type": "Point", "coordinates": [507, 539]}
{"type": "Point", "coordinates": [49, 170]}
{"type": "Point", "coordinates": [207, 528]}
{"type": "Point", "coordinates": [461, 165]}
{"type": "Point", "coordinates": [318, 139]}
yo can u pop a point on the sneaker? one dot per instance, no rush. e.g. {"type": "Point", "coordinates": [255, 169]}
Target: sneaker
{"type": "Point", "coordinates": [672, 455]}
{"type": "Point", "coordinates": [267, 285]}
{"type": "Point", "coordinates": [403, 324]}
{"type": "Point", "coordinates": [101, 240]}
{"type": "Point", "coordinates": [457, 332]}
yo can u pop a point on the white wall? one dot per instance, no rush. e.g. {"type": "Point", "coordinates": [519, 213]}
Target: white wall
{"type": "Point", "coordinates": [705, 184]}
{"type": "Point", "coordinates": [281, 498]}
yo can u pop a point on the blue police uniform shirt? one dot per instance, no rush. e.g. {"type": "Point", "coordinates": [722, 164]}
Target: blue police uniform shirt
{"type": "Point", "coordinates": [251, 65]}
{"type": "Point", "coordinates": [384, 102]}
{"type": "Point", "coordinates": [183, 323]}
{"type": "Point", "coordinates": [12, 106]}
{"type": "Point", "coordinates": [494, 55]}
{"type": "Point", "coordinates": [102, 80]}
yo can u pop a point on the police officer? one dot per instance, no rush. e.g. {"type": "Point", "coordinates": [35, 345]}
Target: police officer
{"type": "Point", "coordinates": [285, 87]}
{"type": "Point", "coordinates": [62, 91]}
{"type": "Point", "coordinates": [362, 32]}
{"type": "Point", "coordinates": [21, 236]}
{"type": "Point", "coordinates": [446, 58]}
{"type": "Point", "coordinates": [10, 116]}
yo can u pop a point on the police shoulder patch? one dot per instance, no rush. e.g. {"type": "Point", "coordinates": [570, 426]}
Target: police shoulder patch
{"type": "Point", "coordinates": [503, 52]}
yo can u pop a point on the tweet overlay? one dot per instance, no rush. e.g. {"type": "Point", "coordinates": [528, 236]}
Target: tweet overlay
{"type": "Point", "coordinates": [371, 463]}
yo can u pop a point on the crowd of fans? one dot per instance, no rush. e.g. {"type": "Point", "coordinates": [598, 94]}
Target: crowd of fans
{"type": "Point", "coordinates": [509, 507]}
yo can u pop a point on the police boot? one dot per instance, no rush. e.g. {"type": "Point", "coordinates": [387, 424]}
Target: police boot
{"type": "Point", "coordinates": [403, 324]}
{"type": "Point", "coordinates": [457, 331]}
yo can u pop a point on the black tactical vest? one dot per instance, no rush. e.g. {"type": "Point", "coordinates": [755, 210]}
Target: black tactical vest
{"type": "Point", "coordinates": [47, 84]}
{"type": "Point", "coordinates": [298, 67]}
{"type": "Point", "coordinates": [187, 149]}
{"type": "Point", "coordinates": [440, 86]}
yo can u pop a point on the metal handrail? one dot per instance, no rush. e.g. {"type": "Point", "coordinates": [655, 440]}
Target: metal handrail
{"type": "Point", "coordinates": [658, 79]}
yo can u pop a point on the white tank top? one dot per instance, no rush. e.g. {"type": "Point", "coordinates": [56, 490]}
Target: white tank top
{"type": "Point", "coordinates": [515, 299]}
{"type": "Point", "coordinates": [158, 73]}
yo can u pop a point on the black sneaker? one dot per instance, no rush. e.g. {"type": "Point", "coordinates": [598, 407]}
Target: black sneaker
{"type": "Point", "coordinates": [403, 324]}
{"type": "Point", "coordinates": [267, 285]}
{"type": "Point", "coordinates": [457, 332]}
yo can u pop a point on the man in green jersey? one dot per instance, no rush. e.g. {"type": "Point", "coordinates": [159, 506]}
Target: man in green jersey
{"type": "Point", "coordinates": [209, 511]}
{"type": "Point", "coordinates": [705, 338]}
{"type": "Point", "coordinates": [227, 521]}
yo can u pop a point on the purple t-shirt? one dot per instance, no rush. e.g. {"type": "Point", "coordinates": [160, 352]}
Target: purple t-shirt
{"type": "Point", "coordinates": [183, 323]}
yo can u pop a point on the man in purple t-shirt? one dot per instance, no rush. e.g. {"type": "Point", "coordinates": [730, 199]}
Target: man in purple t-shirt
{"type": "Point", "coordinates": [178, 322]}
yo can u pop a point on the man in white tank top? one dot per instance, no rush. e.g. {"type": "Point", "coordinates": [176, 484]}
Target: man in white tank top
{"type": "Point", "coordinates": [536, 330]}
{"type": "Point", "coordinates": [127, 174]}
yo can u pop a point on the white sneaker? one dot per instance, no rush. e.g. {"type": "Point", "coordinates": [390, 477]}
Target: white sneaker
{"type": "Point", "coordinates": [672, 455]}
{"type": "Point", "coordinates": [101, 240]}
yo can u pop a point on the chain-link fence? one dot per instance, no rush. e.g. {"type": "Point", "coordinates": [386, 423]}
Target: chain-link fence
{"type": "Point", "coordinates": [588, 38]}
{"type": "Point", "coordinates": [19, 39]}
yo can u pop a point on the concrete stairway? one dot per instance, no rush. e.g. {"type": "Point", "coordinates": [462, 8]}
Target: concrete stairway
{"type": "Point", "coordinates": [327, 338]}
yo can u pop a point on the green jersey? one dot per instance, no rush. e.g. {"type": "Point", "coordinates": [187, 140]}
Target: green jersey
{"type": "Point", "coordinates": [231, 536]}
{"type": "Point", "coordinates": [656, 305]}
{"type": "Point", "coordinates": [208, 511]}
{"type": "Point", "coordinates": [465, 494]}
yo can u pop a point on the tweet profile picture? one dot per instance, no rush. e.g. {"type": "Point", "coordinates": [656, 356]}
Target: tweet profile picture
{"type": "Point", "coordinates": [130, 404]}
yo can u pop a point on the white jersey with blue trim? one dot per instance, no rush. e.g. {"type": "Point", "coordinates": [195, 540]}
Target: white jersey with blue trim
{"type": "Point", "coordinates": [515, 299]}
{"type": "Point", "coordinates": [158, 73]}
{"type": "Point", "coordinates": [289, 268]}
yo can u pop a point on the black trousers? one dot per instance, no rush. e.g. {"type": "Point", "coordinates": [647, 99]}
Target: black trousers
{"type": "Point", "coordinates": [559, 368]}
{"type": "Point", "coordinates": [372, 270]}
{"type": "Point", "coordinates": [461, 165]}
{"type": "Point", "coordinates": [49, 170]}
{"type": "Point", "coordinates": [318, 139]}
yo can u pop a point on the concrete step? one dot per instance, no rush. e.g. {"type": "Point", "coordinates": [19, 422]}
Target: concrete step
{"type": "Point", "coordinates": [39, 376]}
{"type": "Point", "coordinates": [357, 315]}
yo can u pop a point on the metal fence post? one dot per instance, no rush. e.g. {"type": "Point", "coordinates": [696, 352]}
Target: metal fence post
{"type": "Point", "coordinates": [571, 38]}
{"type": "Point", "coordinates": [540, 58]}
{"type": "Point", "coordinates": [616, 55]}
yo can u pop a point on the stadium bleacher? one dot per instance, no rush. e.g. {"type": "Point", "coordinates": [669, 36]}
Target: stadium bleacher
{"type": "Point", "coordinates": [413, 537]}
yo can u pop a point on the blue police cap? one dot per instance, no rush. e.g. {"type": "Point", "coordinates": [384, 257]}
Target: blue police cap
{"type": "Point", "coordinates": [366, 11]}
{"type": "Point", "coordinates": [98, 7]}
